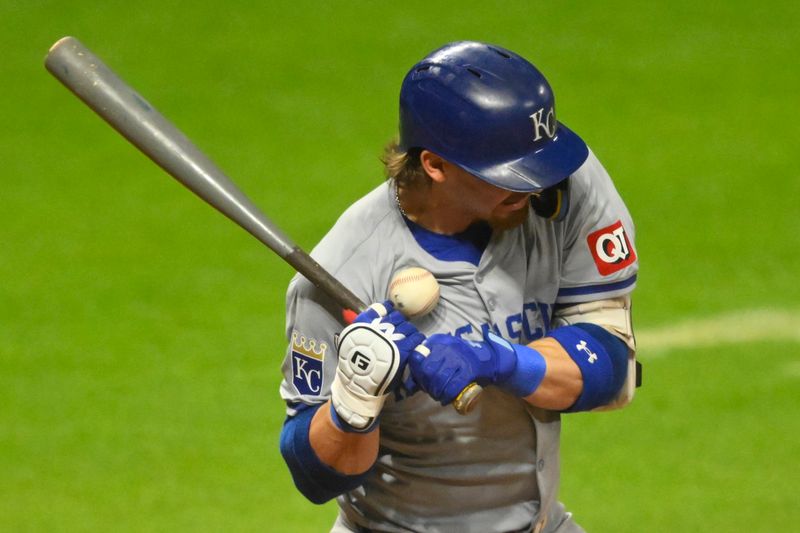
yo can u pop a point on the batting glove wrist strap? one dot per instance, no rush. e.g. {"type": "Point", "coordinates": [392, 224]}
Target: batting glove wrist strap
{"type": "Point", "coordinates": [368, 362]}
{"type": "Point", "coordinates": [364, 424]}
{"type": "Point", "coordinates": [528, 371]}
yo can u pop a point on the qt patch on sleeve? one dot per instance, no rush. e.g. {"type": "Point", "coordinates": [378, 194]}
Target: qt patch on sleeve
{"type": "Point", "coordinates": [611, 249]}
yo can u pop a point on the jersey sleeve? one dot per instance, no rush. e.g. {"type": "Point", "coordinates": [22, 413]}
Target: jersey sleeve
{"type": "Point", "coordinates": [350, 251]}
{"type": "Point", "coordinates": [599, 257]}
{"type": "Point", "coordinates": [312, 321]}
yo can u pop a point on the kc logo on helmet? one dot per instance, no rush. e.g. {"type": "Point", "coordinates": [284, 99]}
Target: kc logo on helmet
{"type": "Point", "coordinates": [544, 122]}
{"type": "Point", "coordinates": [611, 249]}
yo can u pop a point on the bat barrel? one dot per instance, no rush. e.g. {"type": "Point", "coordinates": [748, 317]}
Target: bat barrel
{"type": "Point", "coordinates": [135, 119]}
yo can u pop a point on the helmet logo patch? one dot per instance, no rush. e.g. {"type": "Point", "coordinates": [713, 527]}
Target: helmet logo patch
{"type": "Point", "coordinates": [544, 123]}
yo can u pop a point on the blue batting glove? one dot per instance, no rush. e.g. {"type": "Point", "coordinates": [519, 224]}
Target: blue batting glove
{"type": "Point", "coordinates": [454, 363]}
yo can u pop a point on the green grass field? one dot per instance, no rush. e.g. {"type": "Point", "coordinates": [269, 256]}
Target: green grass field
{"type": "Point", "coordinates": [141, 333]}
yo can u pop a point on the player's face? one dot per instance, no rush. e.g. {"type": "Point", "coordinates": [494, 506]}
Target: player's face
{"type": "Point", "coordinates": [503, 209]}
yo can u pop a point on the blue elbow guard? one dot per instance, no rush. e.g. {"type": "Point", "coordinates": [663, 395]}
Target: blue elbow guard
{"type": "Point", "coordinates": [314, 479]}
{"type": "Point", "coordinates": [602, 359]}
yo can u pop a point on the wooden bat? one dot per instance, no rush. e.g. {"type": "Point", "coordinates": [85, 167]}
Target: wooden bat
{"type": "Point", "coordinates": [134, 118]}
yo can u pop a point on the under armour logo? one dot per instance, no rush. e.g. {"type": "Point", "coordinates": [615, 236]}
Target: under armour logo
{"type": "Point", "coordinates": [548, 125]}
{"type": "Point", "coordinates": [584, 348]}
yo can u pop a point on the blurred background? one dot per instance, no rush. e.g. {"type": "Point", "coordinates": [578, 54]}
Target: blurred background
{"type": "Point", "coordinates": [141, 333]}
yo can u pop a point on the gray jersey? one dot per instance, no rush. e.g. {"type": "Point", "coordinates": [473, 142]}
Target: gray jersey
{"type": "Point", "coordinates": [496, 469]}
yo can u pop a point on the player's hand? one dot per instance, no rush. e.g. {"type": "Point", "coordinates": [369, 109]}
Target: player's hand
{"type": "Point", "coordinates": [373, 352]}
{"type": "Point", "coordinates": [404, 334]}
{"type": "Point", "coordinates": [453, 363]}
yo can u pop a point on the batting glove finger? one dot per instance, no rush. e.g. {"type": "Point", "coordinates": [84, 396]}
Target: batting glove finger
{"type": "Point", "coordinates": [408, 388]}
{"type": "Point", "coordinates": [435, 371]}
{"type": "Point", "coordinates": [375, 311]}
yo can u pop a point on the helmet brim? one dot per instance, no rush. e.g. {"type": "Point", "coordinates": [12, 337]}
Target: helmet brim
{"type": "Point", "coordinates": [544, 167]}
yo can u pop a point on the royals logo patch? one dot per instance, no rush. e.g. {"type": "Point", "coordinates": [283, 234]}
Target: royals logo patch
{"type": "Point", "coordinates": [611, 249]}
{"type": "Point", "coordinates": [307, 357]}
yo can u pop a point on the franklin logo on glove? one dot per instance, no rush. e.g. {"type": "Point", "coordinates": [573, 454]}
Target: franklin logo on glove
{"type": "Point", "coordinates": [360, 361]}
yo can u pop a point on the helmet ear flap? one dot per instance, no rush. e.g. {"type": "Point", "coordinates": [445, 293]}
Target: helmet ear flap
{"type": "Point", "coordinates": [553, 202]}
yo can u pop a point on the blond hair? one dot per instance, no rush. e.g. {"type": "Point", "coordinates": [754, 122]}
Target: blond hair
{"type": "Point", "coordinates": [403, 167]}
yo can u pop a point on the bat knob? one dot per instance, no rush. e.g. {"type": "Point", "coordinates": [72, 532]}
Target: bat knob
{"type": "Point", "coordinates": [466, 401]}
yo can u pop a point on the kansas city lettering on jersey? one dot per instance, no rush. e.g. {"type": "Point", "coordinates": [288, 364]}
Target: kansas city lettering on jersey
{"type": "Point", "coordinates": [307, 357]}
{"type": "Point", "coordinates": [532, 323]}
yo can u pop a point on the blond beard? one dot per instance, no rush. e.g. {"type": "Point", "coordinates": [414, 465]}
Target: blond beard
{"type": "Point", "coordinates": [509, 220]}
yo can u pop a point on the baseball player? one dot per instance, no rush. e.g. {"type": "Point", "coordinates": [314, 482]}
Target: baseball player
{"type": "Point", "coordinates": [534, 253]}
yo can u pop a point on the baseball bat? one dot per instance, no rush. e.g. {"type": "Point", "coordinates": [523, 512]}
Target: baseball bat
{"type": "Point", "coordinates": [134, 118]}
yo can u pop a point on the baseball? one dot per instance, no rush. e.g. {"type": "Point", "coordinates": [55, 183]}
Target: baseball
{"type": "Point", "coordinates": [414, 292]}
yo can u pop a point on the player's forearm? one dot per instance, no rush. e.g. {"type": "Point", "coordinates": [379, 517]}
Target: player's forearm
{"type": "Point", "coordinates": [562, 382]}
{"type": "Point", "coordinates": [586, 366]}
{"type": "Point", "coordinates": [322, 478]}
{"type": "Point", "coordinates": [347, 453]}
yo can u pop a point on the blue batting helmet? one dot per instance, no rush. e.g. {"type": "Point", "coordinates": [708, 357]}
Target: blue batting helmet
{"type": "Point", "coordinates": [491, 112]}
